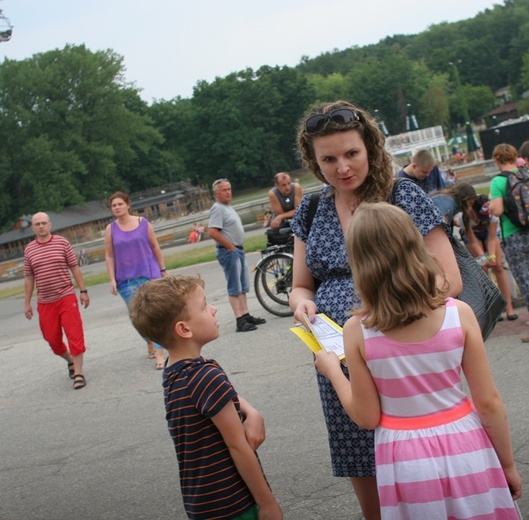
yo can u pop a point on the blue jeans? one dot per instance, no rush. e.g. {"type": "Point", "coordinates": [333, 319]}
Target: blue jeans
{"type": "Point", "coordinates": [126, 290]}
{"type": "Point", "coordinates": [235, 269]}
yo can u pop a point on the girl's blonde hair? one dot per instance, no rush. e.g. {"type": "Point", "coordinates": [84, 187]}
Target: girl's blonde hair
{"type": "Point", "coordinates": [394, 274]}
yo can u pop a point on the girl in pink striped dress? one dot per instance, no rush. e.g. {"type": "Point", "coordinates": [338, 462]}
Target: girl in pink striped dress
{"type": "Point", "coordinates": [438, 455]}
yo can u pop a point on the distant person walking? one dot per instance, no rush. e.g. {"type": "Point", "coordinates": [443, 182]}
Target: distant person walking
{"type": "Point", "coordinates": [225, 227]}
{"type": "Point", "coordinates": [133, 256]}
{"type": "Point", "coordinates": [48, 261]}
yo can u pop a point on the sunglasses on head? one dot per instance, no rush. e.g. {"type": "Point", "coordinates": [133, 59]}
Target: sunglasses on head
{"type": "Point", "coordinates": [219, 181]}
{"type": "Point", "coordinates": [341, 116]}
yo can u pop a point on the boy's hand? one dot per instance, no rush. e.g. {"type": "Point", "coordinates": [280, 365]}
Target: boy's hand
{"type": "Point", "coordinates": [254, 429]}
{"type": "Point", "coordinates": [327, 363]}
{"type": "Point", "coordinates": [254, 426]}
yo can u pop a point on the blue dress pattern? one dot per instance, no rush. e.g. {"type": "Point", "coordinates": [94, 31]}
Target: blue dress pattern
{"type": "Point", "coordinates": [352, 448]}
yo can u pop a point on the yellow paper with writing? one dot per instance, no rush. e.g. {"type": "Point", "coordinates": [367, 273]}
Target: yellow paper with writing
{"type": "Point", "coordinates": [322, 334]}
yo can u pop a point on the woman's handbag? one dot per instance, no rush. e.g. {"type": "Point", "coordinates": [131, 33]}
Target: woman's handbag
{"type": "Point", "coordinates": [479, 291]}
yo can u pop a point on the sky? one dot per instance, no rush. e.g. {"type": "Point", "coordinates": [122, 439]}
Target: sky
{"type": "Point", "coordinates": [170, 45]}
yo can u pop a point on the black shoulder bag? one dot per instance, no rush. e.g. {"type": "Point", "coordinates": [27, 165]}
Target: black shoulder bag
{"type": "Point", "coordinates": [479, 291]}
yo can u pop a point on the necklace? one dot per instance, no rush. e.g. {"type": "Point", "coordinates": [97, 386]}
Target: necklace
{"type": "Point", "coordinates": [350, 206]}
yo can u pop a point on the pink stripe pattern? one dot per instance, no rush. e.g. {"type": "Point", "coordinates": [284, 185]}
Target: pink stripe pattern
{"type": "Point", "coordinates": [448, 469]}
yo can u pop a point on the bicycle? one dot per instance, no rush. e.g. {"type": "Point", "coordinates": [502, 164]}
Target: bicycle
{"type": "Point", "coordinates": [273, 278]}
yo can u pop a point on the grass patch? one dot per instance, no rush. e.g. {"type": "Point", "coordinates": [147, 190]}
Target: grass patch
{"type": "Point", "coordinates": [11, 292]}
{"type": "Point", "coordinates": [195, 256]}
{"type": "Point", "coordinates": [200, 255]}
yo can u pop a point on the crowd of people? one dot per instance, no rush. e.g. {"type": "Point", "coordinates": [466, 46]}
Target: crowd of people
{"type": "Point", "coordinates": [399, 425]}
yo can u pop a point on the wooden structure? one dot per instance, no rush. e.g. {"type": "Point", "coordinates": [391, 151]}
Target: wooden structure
{"type": "Point", "coordinates": [83, 223]}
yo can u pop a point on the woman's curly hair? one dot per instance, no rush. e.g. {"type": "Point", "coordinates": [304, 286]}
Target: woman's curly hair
{"type": "Point", "coordinates": [377, 185]}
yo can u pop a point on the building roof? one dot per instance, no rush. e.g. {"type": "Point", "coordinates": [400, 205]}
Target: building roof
{"type": "Point", "coordinates": [69, 217]}
{"type": "Point", "coordinates": [502, 109]}
{"type": "Point", "coordinates": [86, 213]}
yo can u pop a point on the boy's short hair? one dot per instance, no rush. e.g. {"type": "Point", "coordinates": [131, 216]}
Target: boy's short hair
{"type": "Point", "coordinates": [159, 304]}
{"type": "Point", "coordinates": [423, 159]}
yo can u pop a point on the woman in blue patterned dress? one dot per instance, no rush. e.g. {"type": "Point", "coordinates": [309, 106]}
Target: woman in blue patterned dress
{"type": "Point", "coordinates": [343, 147]}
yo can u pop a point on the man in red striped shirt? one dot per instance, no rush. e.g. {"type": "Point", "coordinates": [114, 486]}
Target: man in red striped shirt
{"type": "Point", "coordinates": [48, 261]}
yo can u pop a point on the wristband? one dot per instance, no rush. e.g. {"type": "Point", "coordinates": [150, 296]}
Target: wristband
{"type": "Point", "coordinates": [163, 270]}
{"type": "Point", "coordinates": [492, 257]}
{"type": "Point", "coordinates": [84, 291]}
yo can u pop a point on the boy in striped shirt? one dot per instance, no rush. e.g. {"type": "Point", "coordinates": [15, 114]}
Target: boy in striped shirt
{"type": "Point", "coordinates": [214, 430]}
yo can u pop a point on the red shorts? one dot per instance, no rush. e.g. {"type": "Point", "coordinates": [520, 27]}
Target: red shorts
{"type": "Point", "coordinates": [58, 316]}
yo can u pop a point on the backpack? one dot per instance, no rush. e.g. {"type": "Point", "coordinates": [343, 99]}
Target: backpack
{"type": "Point", "coordinates": [516, 200]}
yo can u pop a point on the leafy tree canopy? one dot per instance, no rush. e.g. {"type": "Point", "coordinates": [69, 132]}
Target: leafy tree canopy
{"type": "Point", "coordinates": [72, 129]}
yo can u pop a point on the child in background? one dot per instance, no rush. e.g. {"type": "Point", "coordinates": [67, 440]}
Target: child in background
{"type": "Point", "coordinates": [479, 232]}
{"type": "Point", "coordinates": [214, 430]}
{"type": "Point", "coordinates": [436, 457]}
{"type": "Point", "coordinates": [200, 231]}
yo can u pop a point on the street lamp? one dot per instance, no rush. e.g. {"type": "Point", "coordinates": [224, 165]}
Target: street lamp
{"type": "Point", "coordinates": [411, 120]}
{"type": "Point", "coordinates": [472, 144]}
{"type": "Point", "coordinates": [459, 91]}
{"type": "Point", "coordinates": [381, 124]}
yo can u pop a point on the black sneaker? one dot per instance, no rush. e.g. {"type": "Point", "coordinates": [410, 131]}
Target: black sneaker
{"type": "Point", "coordinates": [255, 321]}
{"type": "Point", "coordinates": [245, 326]}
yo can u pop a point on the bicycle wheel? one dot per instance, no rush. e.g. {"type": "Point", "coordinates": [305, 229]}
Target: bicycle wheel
{"type": "Point", "coordinates": [273, 283]}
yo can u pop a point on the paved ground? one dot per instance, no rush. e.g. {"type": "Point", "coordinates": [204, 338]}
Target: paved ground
{"type": "Point", "coordinates": [104, 452]}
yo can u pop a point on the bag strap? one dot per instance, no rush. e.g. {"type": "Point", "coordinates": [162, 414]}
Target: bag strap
{"type": "Point", "coordinates": [313, 206]}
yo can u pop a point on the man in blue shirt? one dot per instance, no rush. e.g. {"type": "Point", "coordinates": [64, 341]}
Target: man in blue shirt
{"type": "Point", "coordinates": [424, 172]}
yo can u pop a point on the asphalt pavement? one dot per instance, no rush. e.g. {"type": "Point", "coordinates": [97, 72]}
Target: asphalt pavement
{"type": "Point", "coordinates": [104, 452]}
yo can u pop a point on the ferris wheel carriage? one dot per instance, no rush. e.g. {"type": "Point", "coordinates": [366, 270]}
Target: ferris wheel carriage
{"type": "Point", "coordinates": [6, 29]}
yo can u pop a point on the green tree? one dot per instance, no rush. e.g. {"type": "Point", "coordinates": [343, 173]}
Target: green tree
{"type": "Point", "coordinates": [479, 101]}
{"type": "Point", "coordinates": [434, 104]}
{"type": "Point", "coordinates": [241, 127]}
{"type": "Point", "coordinates": [72, 130]}
{"type": "Point", "coordinates": [388, 82]}
{"type": "Point", "coordinates": [328, 88]}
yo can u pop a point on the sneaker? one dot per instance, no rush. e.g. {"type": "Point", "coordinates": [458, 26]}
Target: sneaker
{"type": "Point", "coordinates": [255, 321]}
{"type": "Point", "coordinates": [245, 326]}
